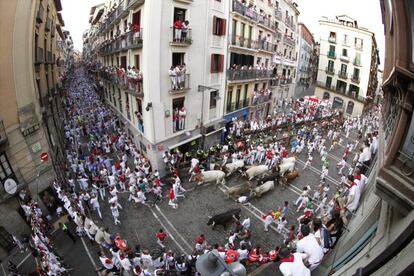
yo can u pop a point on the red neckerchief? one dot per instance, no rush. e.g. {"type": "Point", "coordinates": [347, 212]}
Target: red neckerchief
{"type": "Point", "coordinates": [289, 259]}
{"type": "Point", "coordinates": [358, 177]}
{"type": "Point", "coordinates": [353, 184]}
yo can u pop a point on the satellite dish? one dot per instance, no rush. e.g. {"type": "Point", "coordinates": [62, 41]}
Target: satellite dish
{"type": "Point", "coordinates": [10, 186]}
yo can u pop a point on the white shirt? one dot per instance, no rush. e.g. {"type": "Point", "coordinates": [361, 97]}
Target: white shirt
{"type": "Point", "coordinates": [295, 268]}
{"type": "Point", "coordinates": [356, 193]}
{"type": "Point", "coordinates": [310, 245]}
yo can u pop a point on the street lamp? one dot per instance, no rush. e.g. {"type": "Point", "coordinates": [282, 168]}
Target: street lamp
{"type": "Point", "coordinates": [211, 264]}
{"type": "Point", "coordinates": [202, 89]}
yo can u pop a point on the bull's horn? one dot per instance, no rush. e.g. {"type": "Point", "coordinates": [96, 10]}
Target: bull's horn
{"type": "Point", "coordinates": [209, 217]}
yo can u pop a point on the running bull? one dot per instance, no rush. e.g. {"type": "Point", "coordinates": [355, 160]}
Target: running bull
{"type": "Point", "coordinates": [224, 218]}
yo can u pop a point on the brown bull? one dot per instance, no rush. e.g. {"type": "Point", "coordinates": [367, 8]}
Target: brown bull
{"type": "Point", "coordinates": [289, 177]}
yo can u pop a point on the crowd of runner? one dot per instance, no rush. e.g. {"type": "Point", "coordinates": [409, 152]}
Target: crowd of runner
{"type": "Point", "coordinates": [103, 162]}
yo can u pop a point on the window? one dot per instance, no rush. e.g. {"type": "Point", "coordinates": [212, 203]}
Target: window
{"type": "Point", "coordinates": [5, 168]}
{"type": "Point", "coordinates": [344, 68]}
{"type": "Point", "coordinates": [350, 107]}
{"type": "Point", "coordinates": [213, 99]}
{"type": "Point", "coordinates": [332, 37]}
{"type": "Point", "coordinates": [179, 114]}
{"type": "Point", "coordinates": [332, 49]}
{"type": "Point", "coordinates": [345, 42]}
{"type": "Point", "coordinates": [179, 14]}
{"type": "Point", "coordinates": [326, 96]}
{"type": "Point", "coordinates": [219, 26]}
{"type": "Point", "coordinates": [330, 65]}
{"type": "Point", "coordinates": [328, 82]}
{"type": "Point", "coordinates": [344, 52]}
{"type": "Point", "coordinates": [229, 98]}
{"type": "Point", "coordinates": [238, 94]}
{"type": "Point", "coordinates": [177, 59]}
{"type": "Point", "coordinates": [359, 43]}
{"type": "Point", "coordinates": [216, 63]}
{"type": "Point", "coordinates": [356, 73]}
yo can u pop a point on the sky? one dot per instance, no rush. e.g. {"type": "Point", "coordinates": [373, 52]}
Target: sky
{"type": "Point", "coordinates": [366, 12]}
{"type": "Point", "coordinates": [75, 13]}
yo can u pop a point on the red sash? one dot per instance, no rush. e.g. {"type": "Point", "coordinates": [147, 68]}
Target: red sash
{"type": "Point", "coordinates": [288, 259]}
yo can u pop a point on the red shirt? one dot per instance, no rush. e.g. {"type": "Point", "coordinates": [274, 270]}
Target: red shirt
{"type": "Point", "coordinates": [161, 236]}
{"type": "Point", "coordinates": [178, 24]}
{"type": "Point", "coordinates": [171, 194]}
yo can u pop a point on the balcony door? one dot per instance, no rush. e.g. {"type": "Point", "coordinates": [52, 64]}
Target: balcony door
{"type": "Point", "coordinates": [330, 66]}
{"type": "Point", "coordinates": [177, 59]}
{"type": "Point", "coordinates": [136, 18]}
{"type": "Point", "coordinates": [123, 62]}
{"type": "Point", "coordinates": [343, 68]}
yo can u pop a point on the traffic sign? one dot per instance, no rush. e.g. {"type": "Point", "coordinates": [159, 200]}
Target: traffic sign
{"type": "Point", "coordinates": [44, 156]}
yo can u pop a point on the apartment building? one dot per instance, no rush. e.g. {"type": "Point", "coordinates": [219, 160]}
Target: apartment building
{"type": "Point", "coordinates": [380, 237]}
{"type": "Point", "coordinates": [30, 108]}
{"type": "Point", "coordinates": [306, 56]}
{"type": "Point", "coordinates": [261, 62]}
{"type": "Point", "coordinates": [165, 79]}
{"type": "Point", "coordinates": [348, 64]}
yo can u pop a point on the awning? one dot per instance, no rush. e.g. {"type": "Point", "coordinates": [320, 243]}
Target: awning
{"type": "Point", "coordinates": [239, 113]}
{"type": "Point", "coordinates": [184, 142]}
{"type": "Point", "coordinates": [214, 131]}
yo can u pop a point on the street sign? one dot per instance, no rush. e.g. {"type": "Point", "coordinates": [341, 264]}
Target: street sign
{"type": "Point", "coordinates": [10, 186]}
{"type": "Point", "coordinates": [44, 156]}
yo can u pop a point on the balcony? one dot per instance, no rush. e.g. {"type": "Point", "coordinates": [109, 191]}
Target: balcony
{"type": "Point", "coordinates": [243, 42]}
{"type": "Point", "coordinates": [289, 23]}
{"type": "Point", "coordinates": [183, 39]}
{"type": "Point", "coordinates": [135, 87]}
{"type": "Point", "coordinates": [326, 85]}
{"type": "Point", "coordinates": [278, 14]}
{"type": "Point", "coordinates": [40, 14]}
{"type": "Point", "coordinates": [332, 39]}
{"type": "Point", "coordinates": [3, 135]}
{"type": "Point", "coordinates": [132, 4]}
{"type": "Point", "coordinates": [273, 82]}
{"type": "Point", "coordinates": [49, 57]}
{"type": "Point", "coordinates": [329, 71]}
{"type": "Point", "coordinates": [246, 74]}
{"type": "Point", "coordinates": [236, 106]}
{"type": "Point", "coordinates": [48, 25]}
{"type": "Point", "coordinates": [266, 46]}
{"type": "Point", "coordinates": [260, 99]}
{"type": "Point", "coordinates": [244, 11]}
{"type": "Point", "coordinates": [266, 22]}
{"type": "Point", "coordinates": [289, 40]}
{"type": "Point", "coordinates": [357, 62]}
{"type": "Point", "coordinates": [39, 55]}
{"type": "Point", "coordinates": [331, 54]}
{"type": "Point", "coordinates": [359, 47]}
{"type": "Point", "coordinates": [278, 35]}
{"type": "Point", "coordinates": [344, 59]}
{"type": "Point", "coordinates": [354, 95]}
{"type": "Point", "coordinates": [355, 79]}
{"type": "Point", "coordinates": [129, 40]}
{"type": "Point", "coordinates": [285, 80]}
{"type": "Point", "coordinates": [342, 75]}
{"type": "Point", "coordinates": [180, 83]}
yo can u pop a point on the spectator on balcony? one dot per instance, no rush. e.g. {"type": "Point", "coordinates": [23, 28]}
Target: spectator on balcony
{"type": "Point", "coordinates": [173, 77]}
{"type": "Point", "coordinates": [136, 29]}
{"type": "Point", "coordinates": [178, 25]}
{"type": "Point", "coordinates": [118, 32]}
{"type": "Point", "coordinates": [182, 113]}
{"type": "Point", "coordinates": [184, 30]}
{"type": "Point", "coordinates": [175, 120]}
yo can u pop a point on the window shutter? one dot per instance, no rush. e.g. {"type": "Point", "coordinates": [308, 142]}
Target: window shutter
{"type": "Point", "coordinates": [220, 63]}
{"type": "Point", "coordinates": [212, 64]}
{"type": "Point", "coordinates": [223, 27]}
{"type": "Point", "coordinates": [214, 24]}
